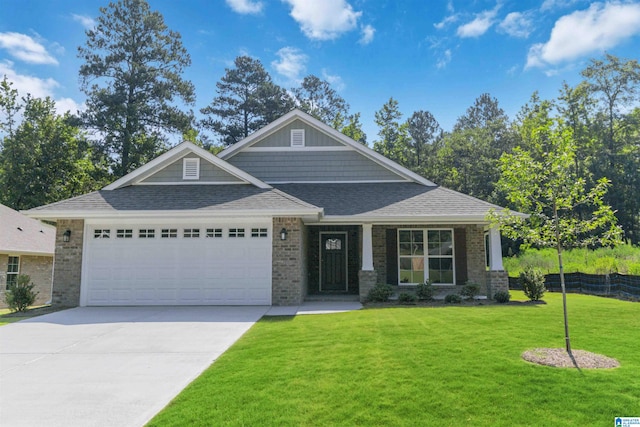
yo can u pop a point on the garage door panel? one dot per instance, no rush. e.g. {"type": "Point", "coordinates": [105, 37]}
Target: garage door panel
{"type": "Point", "coordinates": [170, 271]}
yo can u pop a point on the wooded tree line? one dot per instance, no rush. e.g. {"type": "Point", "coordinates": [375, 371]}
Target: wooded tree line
{"type": "Point", "coordinates": [137, 100]}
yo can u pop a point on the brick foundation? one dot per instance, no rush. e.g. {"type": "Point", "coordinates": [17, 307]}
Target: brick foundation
{"type": "Point", "coordinates": [497, 281]}
{"type": "Point", "coordinates": [367, 279]}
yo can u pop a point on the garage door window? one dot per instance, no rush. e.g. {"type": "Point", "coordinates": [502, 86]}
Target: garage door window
{"type": "Point", "coordinates": [124, 233]}
{"type": "Point", "coordinates": [169, 233]}
{"type": "Point", "coordinates": [191, 233]}
{"type": "Point", "coordinates": [258, 232]}
{"type": "Point", "coordinates": [101, 233]}
{"type": "Point", "coordinates": [146, 233]}
{"type": "Point", "coordinates": [236, 232]}
{"type": "Point", "coordinates": [214, 232]}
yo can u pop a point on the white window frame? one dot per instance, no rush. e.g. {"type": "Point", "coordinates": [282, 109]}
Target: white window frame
{"type": "Point", "coordinates": [215, 233]}
{"type": "Point", "coordinates": [147, 233]}
{"type": "Point", "coordinates": [168, 233]}
{"type": "Point", "coordinates": [188, 171]}
{"type": "Point", "coordinates": [191, 233]}
{"type": "Point", "coordinates": [124, 233]}
{"type": "Point", "coordinates": [237, 232]}
{"type": "Point", "coordinates": [102, 233]}
{"type": "Point", "coordinates": [426, 256]}
{"type": "Point", "coordinates": [12, 273]}
{"type": "Point", "coordinates": [297, 138]}
{"type": "Point", "coordinates": [259, 232]}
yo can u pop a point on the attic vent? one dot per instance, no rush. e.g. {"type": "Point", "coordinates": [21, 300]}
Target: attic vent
{"type": "Point", "coordinates": [191, 168]}
{"type": "Point", "coordinates": [297, 137]}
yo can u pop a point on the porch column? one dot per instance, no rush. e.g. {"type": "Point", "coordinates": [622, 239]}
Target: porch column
{"type": "Point", "coordinates": [495, 250]}
{"type": "Point", "coordinates": [367, 247]}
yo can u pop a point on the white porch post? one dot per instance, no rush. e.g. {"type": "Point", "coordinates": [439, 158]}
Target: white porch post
{"type": "Point", "coordinates": [495, 250]}
{"type": "Point", "coordinates": [367, 247]}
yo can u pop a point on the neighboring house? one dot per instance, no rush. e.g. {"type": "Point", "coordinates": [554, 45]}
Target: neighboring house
{"type": "Point", "coordinates": [26, 247]}
{"type": "Point", "coordinates": [294, 209]}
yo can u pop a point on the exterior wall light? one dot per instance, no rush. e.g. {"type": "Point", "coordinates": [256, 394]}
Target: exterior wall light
{"type": "Point", "coordinates": [283, 234]}
{"type": "Point", "coordinates": [66, 236]}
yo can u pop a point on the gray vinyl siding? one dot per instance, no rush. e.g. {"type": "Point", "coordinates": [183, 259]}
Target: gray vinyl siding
{"type": "Point", "coordinates": [312, 136]}
{"type": "Point", "coordinates": [208, 173]}
{"type": "Point", "coordinates": [301, 166]}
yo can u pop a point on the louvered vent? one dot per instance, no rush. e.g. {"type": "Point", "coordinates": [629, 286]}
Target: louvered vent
{"type": "Point", "coordinates": [191, 169]}
{"type": "Point", "coordinates": [297, 137]}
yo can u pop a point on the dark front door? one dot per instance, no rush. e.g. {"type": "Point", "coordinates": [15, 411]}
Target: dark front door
{"type": "Point", "coordinates": [333, 260]}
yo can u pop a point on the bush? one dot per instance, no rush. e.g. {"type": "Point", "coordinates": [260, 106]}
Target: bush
{"type": "Point", "coordinates": [424, 291]}
{"type": "Point", "coordinates": [532, 281]}
{"type": "Point", "coordinates": [21, 295]}
{"type": "Point", "coordinates": [470, 290]}
{"type": "Point", "coordinates": [453, 299]}
{"type": "Point", "coordinates": [380, 293]}
{"type": "Point", "coordinates": [406, 298]}
{"type": "Point", "coordinates": [502, 297]}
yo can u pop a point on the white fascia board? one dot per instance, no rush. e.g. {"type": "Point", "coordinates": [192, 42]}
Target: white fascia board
{"type": "Point", "coordinates": [11, 252]}
{"type": "Point", "coordinates": [176, 152]}
{"type": "Point", "coordinates": [436, 219]}
{"type": "Point", "coordinates": [87, 215]}
{"type": "Point", "coordinates": [318, 125]}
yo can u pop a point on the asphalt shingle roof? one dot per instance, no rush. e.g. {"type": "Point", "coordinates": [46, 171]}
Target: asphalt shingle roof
{"type": "Point", "coordinates": [177, 198]}
{"type": "Point", "coordinates": [20, 234]}
{"type": "Point", "coordinates": [400, 199]}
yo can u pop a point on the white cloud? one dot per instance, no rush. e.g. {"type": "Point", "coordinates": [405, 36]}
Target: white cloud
{"type": "Point", "coordinates": [444, 59]}
{"type": "Point", "coordinates": [324, 20]}
{"type": "Point", "coordinates": [600, 27]}
{"type": "Point", "coordinates": [86, 21]}
{"type": "Point", "coordinates": [37, 87]}
{"type": "Point", "coordinates": [446, 21]}
{"type": "Point", "coordinates": [517, 24]}
{"type": "Point", "coordinates": [245, 6]}
{"type": "Point", "coordinates": [367, 34]}
{"type": "Point", "coordinates": [291, 63]}
{"type": "Point", "coordinates": [482, 22]}
{"type": "Point", "coordinates": [25, 48]}
{"type": "Point", "coordinates": [556, 4]}
{"type": "Point", "coordinates": [334, 80]}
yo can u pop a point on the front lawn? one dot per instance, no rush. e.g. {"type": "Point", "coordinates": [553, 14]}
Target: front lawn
{"type": "Point", "coordinates": [421, 366]}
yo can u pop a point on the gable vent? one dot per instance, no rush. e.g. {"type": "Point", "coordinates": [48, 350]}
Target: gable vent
{"type": "Point", "coordinates": [191, 168]}
{"type": "Point", "coordinates": [297, 137]}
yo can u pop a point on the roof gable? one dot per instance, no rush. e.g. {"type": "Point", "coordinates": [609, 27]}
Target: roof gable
{"type": "Point", "coordinates": [167, 169]}
{"type": "Point", "coordinates": [327, 155]}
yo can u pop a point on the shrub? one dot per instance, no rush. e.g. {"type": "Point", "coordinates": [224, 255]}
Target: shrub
{"type": "Point", "coordinates": [453, 299]}
{"type": "Point", "coordinates": [380, 293]}
{"type": "Point", "coordinates": [532, 281]}
{"type": "Point", "coordinates": [406, 298]}
{"type": "Point", "coordinates": [470, 290]}
{"type": "Point", "coordinates": [502, 297]}
{"type": "Point", "coordinates": [424, 291]}
{"type": "Point", "coordinates": [21, 295]}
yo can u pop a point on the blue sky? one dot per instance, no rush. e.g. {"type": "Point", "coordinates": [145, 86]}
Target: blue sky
{"type": "Point", "coordinates": [429, 55]}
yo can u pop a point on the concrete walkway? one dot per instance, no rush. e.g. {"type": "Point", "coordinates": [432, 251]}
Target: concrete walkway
{"type": "Point", "coordinates": [114, 366]}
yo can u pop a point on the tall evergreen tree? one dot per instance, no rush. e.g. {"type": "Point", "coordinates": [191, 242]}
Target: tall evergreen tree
{"type": "Point", "coordinates": [425, 131]}
{"type": "Point", "coordinates": [393, 133]}
{"type": "Point", "coordinates": [317, 98]}
{"type": "Point", "coordinates": [246, 100]}
{"type": "Point", "coordinates": [132, 77]}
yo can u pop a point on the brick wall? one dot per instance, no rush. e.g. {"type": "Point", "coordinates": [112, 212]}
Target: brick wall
{"type": "Point", "coordinates": [68, 264]}
{"type": "Point", "coordinates": [476, 267]}
{"type": "Point", "coordinates": [38, 268]}
{"type": "Point", "coordinates": [289, 262]}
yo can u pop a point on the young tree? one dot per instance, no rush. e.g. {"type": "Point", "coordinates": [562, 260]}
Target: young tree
{"type": "Point", "coordinates": [541, 180]}
{"type": "Point", "coordinates": [247, 99]}
{"type": "Point", "coordinates": [394, 135]}
{"type": "Point", "coordinates": [351, 127]}
{"type": "Point", "coordinates": [132, 78]}
{"type": "Point", "coordinates": [317, 98]}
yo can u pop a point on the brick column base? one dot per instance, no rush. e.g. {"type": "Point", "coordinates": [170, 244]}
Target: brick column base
{"type": "Point", "coordinates": [367, 279]}
{"type": "Point", "coordinates": [497, 280]}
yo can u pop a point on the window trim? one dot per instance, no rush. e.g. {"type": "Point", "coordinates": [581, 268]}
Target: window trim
{"type": "Point", "coordinates": [426, 256]}
{"type": "Point", "coordinates": [12, 273]}
{"type": "Point", "coordinates": [188, 163]}
{"type": "Point", "coordinates": [236, 233]}
{"type": "Point", "coordinates": [259, 232]}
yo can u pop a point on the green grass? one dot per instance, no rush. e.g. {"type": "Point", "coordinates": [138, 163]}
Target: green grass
{"type": "Point", "coordinates": [8, 316]}
{"type": "Point", "coordinates": [440, 366]}
{"type": "Point", "coordinates": [624, 259]}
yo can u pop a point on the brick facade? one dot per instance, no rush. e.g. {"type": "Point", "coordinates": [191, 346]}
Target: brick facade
{"type": "Point", "coordinates": [38, 268]}
{"type": "Point", "coordinates": [68, 264]}
{"type": "Point", "coordinates": [289, 262]}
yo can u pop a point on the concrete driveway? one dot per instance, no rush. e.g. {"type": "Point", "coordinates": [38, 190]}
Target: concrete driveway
{"type": "Point", "coordinates": [109, 366]}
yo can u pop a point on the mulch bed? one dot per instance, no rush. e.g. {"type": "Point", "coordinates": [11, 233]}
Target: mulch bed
{"type": "Point", "coordinates": [559, 358]}
{"type": "Point", "coordinates": [441, 303]}
{"type": "Point", "coordinates": [32, 312]}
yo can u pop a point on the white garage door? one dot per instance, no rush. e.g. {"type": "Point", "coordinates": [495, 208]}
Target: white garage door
{"type": "Point", "coordinates": [177, 264]}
